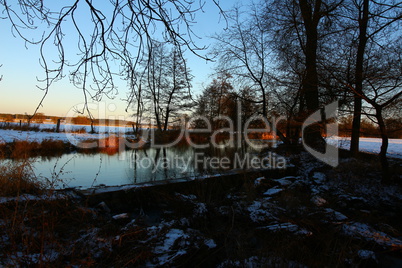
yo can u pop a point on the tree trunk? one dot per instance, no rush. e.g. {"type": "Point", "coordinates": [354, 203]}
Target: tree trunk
{"type": "Point", "coordinates": [354, 141]}
{"type": "Point", "coordinates": [139, 112]}
{"type": "Point", "coordinates": [168, 105]}
{"type": "Point", "coordinates": [264, 100]}
{"type": "Point", "coordinates": [363, 22]}
{"type": "Point", "coordinates": [165, 126]}
{"type": "Point", "coordinates": [384, 145]}
{"type": "Point", "coordinates": [157, 117]}
{"type": "Point", "coordinates": [311, 17]}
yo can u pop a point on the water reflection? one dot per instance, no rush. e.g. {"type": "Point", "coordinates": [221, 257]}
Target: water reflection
{"type": "Point", "coordinates": [143, 165]}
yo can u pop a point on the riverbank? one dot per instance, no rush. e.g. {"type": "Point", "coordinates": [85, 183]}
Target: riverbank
{"type": "Point", "coordinates": [80, 134]}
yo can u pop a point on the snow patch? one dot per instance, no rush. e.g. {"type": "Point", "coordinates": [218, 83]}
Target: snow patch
{"type": "Point", "coordinates": [287, 226]}
{"type": "Point", "coordinates": [32, 259]}
{"type": "Point", "coordinates": [258, 214]}
{"type": "Point", "coordinates": [258, 181]}
{"type": "Point", "coordinates": [370, 145]}
{"type": "Point", "coordinates": [255, 261]}
{"type": "Point", "coordinates": [286, 181]}
{"type": "Point", "coordinates": [200, 209]}
{"type": "Point", "coordinates": [121, 216]}
{"type": "Point", "coordinates": [177, 242]}
{"type": "Point", "coordinates": [30, 197]}
{"type": "Point", "coordinates": [183, 197]}
{"type": "Point", "coordinates": [273, 191]}
{"type": "Point", "coordinates": [366, 254]}
{"type": "Point", "coordinates": [210, 243]}
{"type": "Point", "coordinates": [319, 177]}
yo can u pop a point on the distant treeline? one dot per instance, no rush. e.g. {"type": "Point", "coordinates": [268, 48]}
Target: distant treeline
{"type": "Point", "coordinates": [79, 120]}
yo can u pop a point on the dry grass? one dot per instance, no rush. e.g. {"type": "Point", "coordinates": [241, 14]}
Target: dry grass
{"type": "Point", "coordinates": [82, 130]}
{"type": "Point", "coordinates": [19, 150]}
{"type": "Point", "coordinates": [17, 177]}
{"type": "Point", "coordinates": [40, 232]}
{"type": "Point", "coordinates": [36, 229]}
{"type": "Point", "coordinates": [23, 127]}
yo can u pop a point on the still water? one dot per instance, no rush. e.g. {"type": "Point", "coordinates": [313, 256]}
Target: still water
{"type": "Point", "coordinates": [141, 166]}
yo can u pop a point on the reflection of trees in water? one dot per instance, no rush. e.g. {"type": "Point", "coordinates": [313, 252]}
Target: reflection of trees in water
{"type": "Point", "coordinates": [225, 150]}
{"type": "Point", "coordinates": [155, 164]}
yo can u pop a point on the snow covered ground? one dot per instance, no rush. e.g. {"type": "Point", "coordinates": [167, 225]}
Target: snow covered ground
{"type": "Point", "coordinates": [87, 128]}
{"type": "Point", "coordinates": [370, 145]}
{"type": "Point", "coordinates": [7, 135]}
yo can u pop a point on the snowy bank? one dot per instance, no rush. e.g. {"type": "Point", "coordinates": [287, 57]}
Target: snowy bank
{"type": "Point", "coordinates": [370, 145]}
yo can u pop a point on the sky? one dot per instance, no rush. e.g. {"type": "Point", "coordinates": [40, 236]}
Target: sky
{"type": "Point", "coordinates": [20, 68]}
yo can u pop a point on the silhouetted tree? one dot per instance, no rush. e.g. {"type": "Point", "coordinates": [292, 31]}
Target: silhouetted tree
{"type": "Point", "coordinates": [299, 30]}
{"type": "Point", "coordinates": [166, 82]}
{"type": "Point", "coordinates": [216, 100]}
{"type": "Point", "coordinates": [105, 33]}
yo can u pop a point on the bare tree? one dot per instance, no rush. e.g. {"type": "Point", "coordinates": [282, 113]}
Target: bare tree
{"type": "Point", "coordinates": [297, 31]}
{"type": "Point", "coordinates": [312, 13]}
{"type": "Point", "coordinates": [216, 100]}
{"type": "Point", "coordinates": [177, 96]}
{"type": "Point", "coordinates": [370, 65]}
{"type": "Point", "coordinates": [374, 20]}
{"type": "Point", "coordinates": [244, 50]}
{"type": "Point", "coordinates": [105, 32]}
{"type": "Point", "coordinates": [363, 17]}
{"type": "Point", "coordinates": [166, 84]}
{"type": "Point", "coordinates": [382, 90]}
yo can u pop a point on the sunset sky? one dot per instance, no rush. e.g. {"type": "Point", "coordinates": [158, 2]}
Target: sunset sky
{"type": "Point", "coordinates": [21, 68]}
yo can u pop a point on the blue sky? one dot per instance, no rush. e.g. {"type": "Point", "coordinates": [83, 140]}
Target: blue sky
{"type": "Point", "coordinates": [20, 69]}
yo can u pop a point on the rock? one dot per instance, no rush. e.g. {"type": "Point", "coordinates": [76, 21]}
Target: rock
{"type": "Point", "coordinates": [318, 200]}
{"type": "Point", "coordinates": [335, 215]}
{"type": "Point", "coordinates": [319, 177]}
{"type": "Point", "coordinates": [102, 205]}
{"type": "Point", "coordinates": [363, 231]}
{"type": "Point", "coordinates": [258, 213]}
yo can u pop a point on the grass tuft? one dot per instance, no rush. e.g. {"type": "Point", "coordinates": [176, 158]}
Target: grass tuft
{"type": "Point", "coordinates": [17, 177]}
